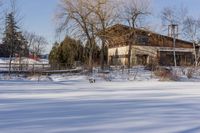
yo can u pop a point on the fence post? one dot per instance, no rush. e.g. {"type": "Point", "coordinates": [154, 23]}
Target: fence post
{"type": "Point", "coordinates": [33, 69]}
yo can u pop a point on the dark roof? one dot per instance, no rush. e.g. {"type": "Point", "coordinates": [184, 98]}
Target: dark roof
{"type": "Point", "coordinates": [124, 30]}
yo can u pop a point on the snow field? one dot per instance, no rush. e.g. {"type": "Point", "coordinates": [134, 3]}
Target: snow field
{"type": "Point", "coordinates": [74, 106]}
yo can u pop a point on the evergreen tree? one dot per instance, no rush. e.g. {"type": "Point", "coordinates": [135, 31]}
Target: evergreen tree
{"type": "Point", "coordinates": [22, 46]}
{"type": "Point", "coordinates": [66, 53]}
{"type": "Point", "coordinates": [10, 35]}
{"type": "Point", "coordinates": [13, 40]}
{"type": "Point", "coordinates": [53, 56]}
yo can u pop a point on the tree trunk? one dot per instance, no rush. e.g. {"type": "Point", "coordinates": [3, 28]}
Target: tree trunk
{"type": "Point", "coordinates": [195, 55]}
{"type": "Point", "coordinates": [90, 61]}
{"type": "Point", "coordinates": [91, 56]}
{"type": "Point", "coordinates": [102, 54]}
{"type": "Point", "coordinates": [129, 55]}
{"type": "Point", "coordinates": [130, 48]}
{"type": "Point", "coordinates": [20, 63]}
{"type": "Point", "coordinates": [10, 63]}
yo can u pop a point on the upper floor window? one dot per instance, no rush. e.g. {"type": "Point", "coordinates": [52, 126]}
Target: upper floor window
{"type": "Point", "coordinates": [142, 39]}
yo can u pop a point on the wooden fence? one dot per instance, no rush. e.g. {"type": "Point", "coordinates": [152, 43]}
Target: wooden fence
{"type": "Point", "coordinates": [38, 68]}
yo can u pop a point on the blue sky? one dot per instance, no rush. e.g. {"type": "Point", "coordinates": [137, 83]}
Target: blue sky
{"type": "Point", "coordinates": [38, 14]}
{"type": "Point", "coordinates": [38, 17]}
{"type": "Point", "coordinates": [191, 5]}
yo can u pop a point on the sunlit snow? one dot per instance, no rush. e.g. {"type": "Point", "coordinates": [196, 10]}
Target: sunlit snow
{"type": "Point", "coordinates": [76, 106]}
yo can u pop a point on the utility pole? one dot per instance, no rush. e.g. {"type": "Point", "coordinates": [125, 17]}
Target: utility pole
{"type": "Point", "coordinates": [173, 32]}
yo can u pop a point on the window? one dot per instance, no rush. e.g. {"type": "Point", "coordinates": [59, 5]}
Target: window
{"type": "Point", "coordinates": [142, 40]}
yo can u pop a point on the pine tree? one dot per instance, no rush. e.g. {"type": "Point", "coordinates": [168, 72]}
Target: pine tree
{"type": "Point", "coordinates": [10, 35]}
{"type": "Point", "coordinates": [14, 42]}
{"type": "Point", "coordinates": [22, 46]}
{"type": "Point", "coordinates": [53, 56]}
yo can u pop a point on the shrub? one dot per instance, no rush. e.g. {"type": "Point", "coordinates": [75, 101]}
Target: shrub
{"type": "Point", "coordinates": [166, 74]}
{"type": "Point", "coordinates": [190, 73]}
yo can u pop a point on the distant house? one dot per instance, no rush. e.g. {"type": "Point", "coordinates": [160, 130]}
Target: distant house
{"type": "Point", "coordinates": [44, 56]}
{"type": "Point", "coordinates": [147, 47]}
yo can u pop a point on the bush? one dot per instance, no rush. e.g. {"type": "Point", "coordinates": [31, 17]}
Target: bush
{"type": "Point", "coordinates": [67, 52]}
{"type": "Point", "coordinates": [166, 74]}
{"type": "Point", "coordinates": [190, 73]}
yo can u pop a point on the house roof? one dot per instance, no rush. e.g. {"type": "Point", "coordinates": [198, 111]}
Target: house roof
{"type": "Point", "coordinates": [123, 30]}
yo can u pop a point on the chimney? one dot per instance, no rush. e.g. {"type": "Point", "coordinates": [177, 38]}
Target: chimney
{"type": "Point", "coordinates": [173, 30]}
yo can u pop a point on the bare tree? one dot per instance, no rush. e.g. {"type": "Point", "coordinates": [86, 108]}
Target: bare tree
{"type": "Point", "coordinates": [40, 45]}
{"type": "Point", "coordinates": [30, 37]}
{"type": "Point", "coordinates": [173, 17]}
{"type": "Point", "coordinates": [1, 15]}
{"type": "Point", "coordinates": [36, 44]}
{"type": "Point", "coordinates": [105, 15]}
{"type": "Point", "coordinates": [132, 13]}
{"type": "Point", "coordinates": [75, 17]}
{"type": "Point", "coordinates": [191, 30]}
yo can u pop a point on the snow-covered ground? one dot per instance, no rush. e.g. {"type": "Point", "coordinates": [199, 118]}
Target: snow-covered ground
{"type": "Point", "coordinates": [28, 64]}
{"type": "Point", "coordinates": [24, 61]}
{"type": "Point", "coordinates": [3, 60]}
{"type": "Point", "coordinates": [29, 61]}
{"type": "Point", "coordinates": [117, 103]}
{"type": "Point", "coordinates": [137, 73]}
{"type": "Point", "coordinates": [72, 105]}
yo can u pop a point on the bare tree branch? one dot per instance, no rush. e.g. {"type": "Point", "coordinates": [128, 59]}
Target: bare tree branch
{"type": "Point", "coordinates": [75, 17]}
{"type": "Point", "coordinates": [1, 17]}
{"type": "Point", "coordinates": [36, 44]}
{"type": "Point", "coordinates": [104, 15]}
{"type": "Point", "coordinates": [191, 31]}
{"type": "Point", "coordinates": [133, 11]}
{"type": "Point", "coordinates": [173, 15]}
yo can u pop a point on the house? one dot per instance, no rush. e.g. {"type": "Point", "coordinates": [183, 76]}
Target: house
{"type": "Point", "coordinates": [146, 47]}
